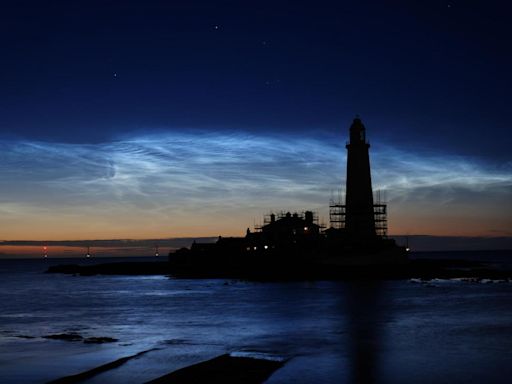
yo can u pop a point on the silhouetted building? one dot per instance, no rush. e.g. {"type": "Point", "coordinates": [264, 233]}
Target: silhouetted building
{"type": "Point", "coordinates": [360, 218]}
{"type": "Point", "coordinates": [286, 233]}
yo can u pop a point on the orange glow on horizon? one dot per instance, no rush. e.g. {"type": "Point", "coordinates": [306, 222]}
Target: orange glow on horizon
{"type": "Point", "coordinates": [59, 251]}
{"type": "Point", "coordinates": [399, 224]}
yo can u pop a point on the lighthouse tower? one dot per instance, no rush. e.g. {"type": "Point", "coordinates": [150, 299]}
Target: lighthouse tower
{"type": "Point", "coordinates": [359, 214]}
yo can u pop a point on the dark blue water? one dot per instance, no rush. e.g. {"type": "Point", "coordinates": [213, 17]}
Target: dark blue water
{"type": "Point", "coordinates": [445, 331]}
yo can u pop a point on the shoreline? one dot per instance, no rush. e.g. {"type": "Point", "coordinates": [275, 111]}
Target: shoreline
{"type": "Point", "coordinates": [224, 368]}
{"type": "Point", "coordinates": [413, 269]}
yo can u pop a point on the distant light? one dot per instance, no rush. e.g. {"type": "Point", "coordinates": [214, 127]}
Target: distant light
{"type": "Point", "coordinates": [266, 247]}
{"type": "Point", "coordinates": [255, 248]}
{"type": "Point", "coordinates": [407, 249]}
{"type": "Point", "coordinates": [306, 228]}
{"type": "Point", "coordinates": [248, 248]}
{"type": "Point", "coordinates": [157, 254]}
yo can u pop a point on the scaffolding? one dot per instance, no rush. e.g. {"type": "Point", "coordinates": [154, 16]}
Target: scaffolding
{"type": "Point", "coordinates": [282, 214]}
{"type": "Point", "coordinates": [381, 219]}
{"type": "Point", "coordinates": [338, 214]}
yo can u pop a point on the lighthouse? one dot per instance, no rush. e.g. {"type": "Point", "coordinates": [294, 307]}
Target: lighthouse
{"type": "Point", "coordinates": [359, 206]}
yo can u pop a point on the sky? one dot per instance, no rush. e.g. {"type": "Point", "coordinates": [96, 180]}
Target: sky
{"type": "Point", "coordinates": [161, 119]}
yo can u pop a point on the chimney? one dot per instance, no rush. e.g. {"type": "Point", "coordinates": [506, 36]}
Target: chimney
{"type": "Point", "coordinates": [309, 217]}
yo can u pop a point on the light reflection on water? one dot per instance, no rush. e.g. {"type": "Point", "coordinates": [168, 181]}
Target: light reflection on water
{"type": "Point", "coordinates": [334, 332]}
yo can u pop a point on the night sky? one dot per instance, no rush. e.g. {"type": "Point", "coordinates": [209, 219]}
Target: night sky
{"type": "Point", "coordinates": [147, 119]}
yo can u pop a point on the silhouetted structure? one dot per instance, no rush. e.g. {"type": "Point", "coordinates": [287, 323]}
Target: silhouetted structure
{"type": "Point", "coordinates": [361, 218]}
{"type": "Point", "coordinates": [285, 231]}
{"type": "Point", "coordinates": [360, 222]}
{"type": "Point", "coordinates": [296, 244]}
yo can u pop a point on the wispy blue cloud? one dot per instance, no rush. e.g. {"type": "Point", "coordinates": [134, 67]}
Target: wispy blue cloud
{"type": "Point", "coordinates": [198, 180]}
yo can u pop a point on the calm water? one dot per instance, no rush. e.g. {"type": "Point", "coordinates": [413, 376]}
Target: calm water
{"type": "Point", "coordinates": [332, 332]}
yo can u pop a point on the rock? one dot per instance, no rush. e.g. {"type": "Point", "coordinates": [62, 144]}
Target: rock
{"type": "Point", "coordinates": [100, 340]}
{"type": "Point", "coordinates": [65, 337]}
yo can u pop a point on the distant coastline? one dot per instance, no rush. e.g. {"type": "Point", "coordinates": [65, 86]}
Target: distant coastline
{"type": "Point", "coordinates": [145, 247]}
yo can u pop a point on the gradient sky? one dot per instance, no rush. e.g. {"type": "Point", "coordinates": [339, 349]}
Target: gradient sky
{"type": "Point", "coordinates": [148, 119]}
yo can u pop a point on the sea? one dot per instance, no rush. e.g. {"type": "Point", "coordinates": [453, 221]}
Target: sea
{"type": "Point", "coordinates": [404, 331]}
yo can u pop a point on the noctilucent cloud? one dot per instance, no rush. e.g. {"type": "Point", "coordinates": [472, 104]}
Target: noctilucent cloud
{"type": "Point", "coordinates": [134, 119]}
{"type": "Point", "coordinates": [207, 183]}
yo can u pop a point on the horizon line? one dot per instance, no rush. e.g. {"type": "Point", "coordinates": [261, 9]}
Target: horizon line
{"type": "Point", "coordinates": [17, 241]}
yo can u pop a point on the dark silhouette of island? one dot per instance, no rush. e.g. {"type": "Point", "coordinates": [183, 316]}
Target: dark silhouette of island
{"type": "Point", "coordinates": [295, 244]}
{"type": "Point", "coordinates": [291, 246]}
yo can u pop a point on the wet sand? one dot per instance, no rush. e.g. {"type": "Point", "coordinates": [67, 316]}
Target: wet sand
{"type": "Point", "coordinates": [97, 370]}
{"type": "Point", "coordinates": [223, 369]}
